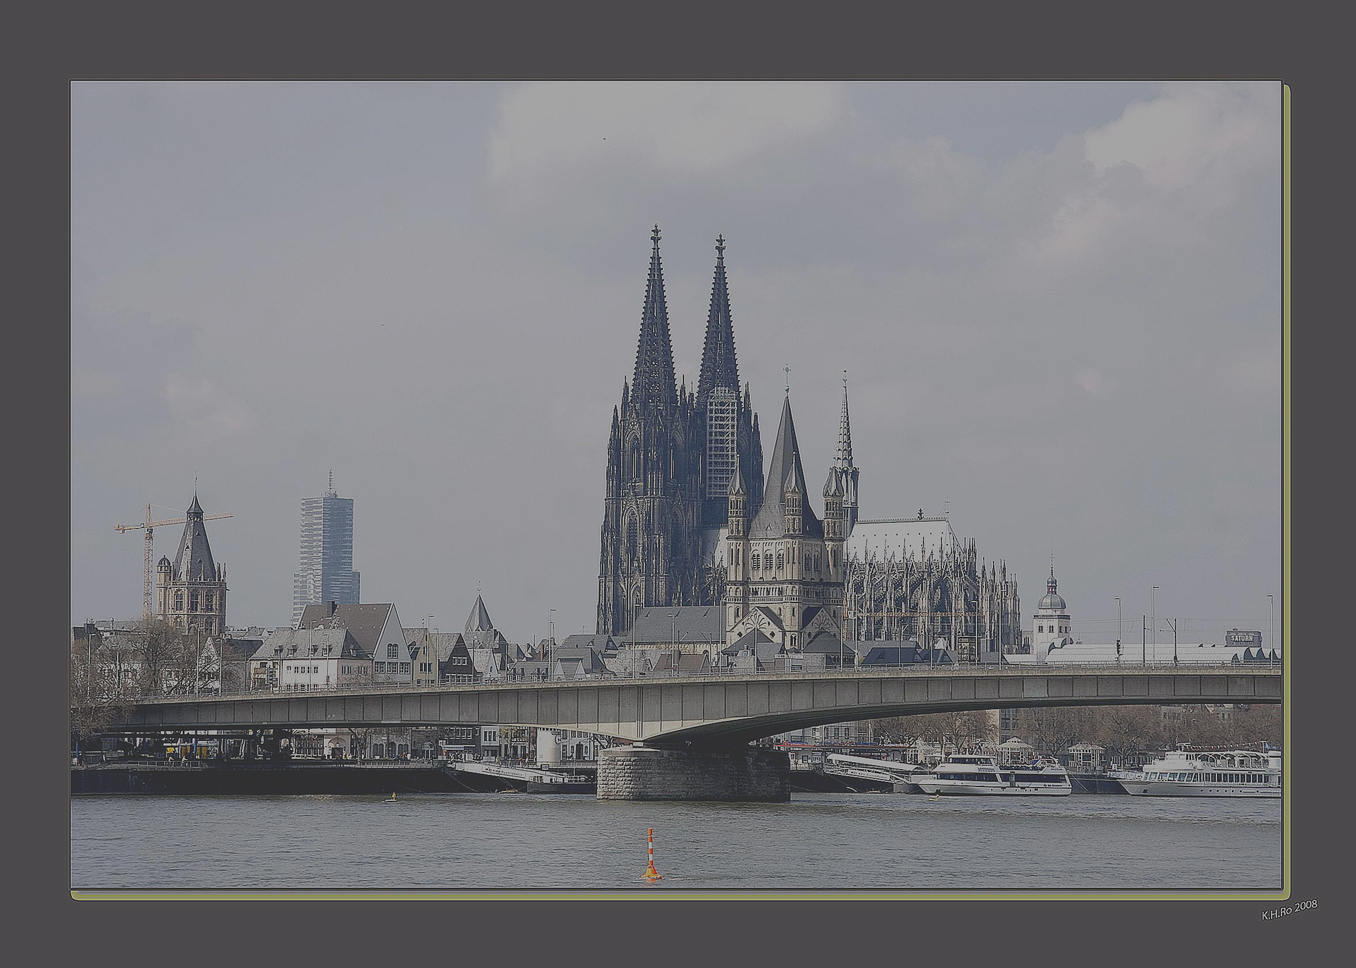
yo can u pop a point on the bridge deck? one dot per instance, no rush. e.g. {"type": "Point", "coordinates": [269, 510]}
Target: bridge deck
{"type": "Point", "coordinates": [718, 708]}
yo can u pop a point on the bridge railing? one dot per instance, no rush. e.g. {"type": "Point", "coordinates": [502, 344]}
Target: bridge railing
{"type": "Point", "coordinates": [1124, 666]}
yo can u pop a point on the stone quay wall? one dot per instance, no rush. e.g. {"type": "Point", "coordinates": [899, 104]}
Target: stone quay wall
{"type": "Point", "coordinates": [741, 773]}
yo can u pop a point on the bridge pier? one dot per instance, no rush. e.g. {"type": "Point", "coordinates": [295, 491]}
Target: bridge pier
{"type": "Point", "coordinates": [737, 773]}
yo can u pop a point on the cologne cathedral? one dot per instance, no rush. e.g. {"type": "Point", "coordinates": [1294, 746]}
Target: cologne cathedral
{"type": "Point", "coordinates": [670, 459]}
{"type": "Point", "coordinates": [689, 519]}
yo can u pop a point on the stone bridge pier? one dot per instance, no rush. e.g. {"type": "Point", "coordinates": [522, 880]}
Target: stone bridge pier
{"type": "Point", "coordinates": [694, 772]}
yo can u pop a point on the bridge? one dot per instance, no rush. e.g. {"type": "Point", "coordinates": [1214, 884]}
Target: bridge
{"type": "Point", "coordinates": [707, 722]}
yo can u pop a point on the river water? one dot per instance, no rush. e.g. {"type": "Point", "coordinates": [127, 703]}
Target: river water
{"type": "Point", "coordinates": [817, 842]}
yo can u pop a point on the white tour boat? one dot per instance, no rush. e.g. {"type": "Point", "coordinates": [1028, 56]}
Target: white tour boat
{"type": "Point", "coordinates": [1201, 773]}
{"type": "Point", "coordinates": [979, 774]}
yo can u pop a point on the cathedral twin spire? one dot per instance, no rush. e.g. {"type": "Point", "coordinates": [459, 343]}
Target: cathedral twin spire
{"type": "Point", "coordinates": [653, 384]}
{"type": "Point", "coordinates": [719, 366]}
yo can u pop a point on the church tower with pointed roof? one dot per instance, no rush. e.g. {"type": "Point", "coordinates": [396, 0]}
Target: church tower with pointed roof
{"type": "Point", "coordinates": [842, 462]}
{"type": "Point", "coordinates": [650, 541]}
{"type": "Point", "coordinates": [724, 421]}
{"type": "Point", "coordinates": [792, 589]}
{"type": "Point", "coordinates": [191, 591]}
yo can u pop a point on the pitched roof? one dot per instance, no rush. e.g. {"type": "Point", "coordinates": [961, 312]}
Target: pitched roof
{"type": "Point", "coordinates": [770, 521]}
{"type": "Point", "coordinates": [321, 643]}
{"type": "Point", "coordinates": [906, 652]}
{"type": "Point", "coordinates": [193, 561]}
{"type": "Point", "coordinates": [531, 669]}
{"type": "Point", "coordinates": [232, 649]}
{"type": "Point", "coordinates": [598, 641]}
{"type": "Point", "coordinates": [686, 623]}
{"type": "Point", "coordinates": [364, 621]}
{"type": "Point", "coordinates": [479, 619]}
{"type": "Point", "coordinates": [687, 662]}
{"type": "Point", "coordinates": [901, 538]}
{"type": "Point", "coordinates": [823, 641]}
{"type": "Point", "coordinates": [591, 659]}
{"type": "Point", "coordinates": [756, 642]}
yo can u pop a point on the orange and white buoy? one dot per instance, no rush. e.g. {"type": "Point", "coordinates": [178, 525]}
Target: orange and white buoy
{"type": "Point", "coordinates": [650, 873]}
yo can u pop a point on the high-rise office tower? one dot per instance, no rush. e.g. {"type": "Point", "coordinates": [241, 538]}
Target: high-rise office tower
{"type": "Point", "coordinates": [326, 571]}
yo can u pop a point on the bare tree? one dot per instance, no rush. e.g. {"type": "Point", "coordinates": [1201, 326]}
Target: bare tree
{"type": "Point", "coordinates": [1127, 733]}
{"type": "Point", "coordinates": [1053, 729]}
{"type": "Point", "coordinates": [1251, 726]}
{"type": "Point", "coordinates": [96, 691]}
{"type": "Point", "coordinates": [168, 660]}
{"type": "Point", "coordinates": [963, 728]}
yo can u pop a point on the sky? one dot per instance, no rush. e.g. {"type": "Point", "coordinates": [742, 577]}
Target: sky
{"type": "Point", "coordinates": [1058, 306]}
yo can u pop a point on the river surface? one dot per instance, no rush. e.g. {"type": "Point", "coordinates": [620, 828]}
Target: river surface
{"type": "Point", "coordinates": [817, 842]}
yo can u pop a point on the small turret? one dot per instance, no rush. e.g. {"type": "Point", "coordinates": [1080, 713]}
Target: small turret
{"type": "Point", "coordinates": [793, 496]}
{"type": "Point", "coordinates": [738, 522]}
{"type": "Point", "coordinates": [833, 506]}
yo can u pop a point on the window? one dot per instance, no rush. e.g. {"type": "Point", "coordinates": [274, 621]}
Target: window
{"type": "Point", "coordinates": [392, 651]}
{"type": "Point", "coordinates": [178, 601]}
{"type": "Point", "coordinates": [381, 666]}
{"type": "Point", "coordinates": [405, 668]}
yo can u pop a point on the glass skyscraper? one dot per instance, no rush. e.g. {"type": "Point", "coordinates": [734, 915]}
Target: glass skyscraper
{"type": "Point", "coordinates": [326, 570]}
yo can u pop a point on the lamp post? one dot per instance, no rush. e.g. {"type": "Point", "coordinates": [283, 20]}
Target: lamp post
{"type": "Point", "coordinates": [1271, 629]}
{"type": "Point", "coordinates": [1118, 627]}
{"type": "Point", "coordinates": [1173, 623]}
{"type": "Point", "coordinates": [1153, 622]}
{"type": "Point", "coordinates": [550, 632]}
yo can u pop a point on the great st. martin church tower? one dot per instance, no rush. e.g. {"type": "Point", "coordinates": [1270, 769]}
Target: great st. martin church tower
{"type": "Point", "coordinates": [671, 457]}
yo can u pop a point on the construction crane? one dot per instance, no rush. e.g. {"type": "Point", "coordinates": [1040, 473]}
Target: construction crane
{"type": "Point", "coordinates": [150, 526]}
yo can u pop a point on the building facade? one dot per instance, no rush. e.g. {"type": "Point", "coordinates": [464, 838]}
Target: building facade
{"type": "Point", "coordinates": [191, 590]}
{"type": "Point", "coordinates": [325, 572]}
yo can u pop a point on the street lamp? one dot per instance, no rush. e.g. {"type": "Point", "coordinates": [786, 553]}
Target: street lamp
{"type": "Point", "coordinates": [1271, 629]}
{"type": "Point", "coordinates": [1118, 627]}
{"type": "Point", "coordinates": [1153, 622]}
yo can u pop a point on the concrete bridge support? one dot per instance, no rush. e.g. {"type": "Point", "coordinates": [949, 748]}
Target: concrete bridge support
{"type": "Point", "coordinates": [744, 773]}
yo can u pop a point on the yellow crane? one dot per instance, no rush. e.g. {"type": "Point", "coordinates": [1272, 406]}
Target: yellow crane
{"type": "Point", "coordinates": [150, 526]}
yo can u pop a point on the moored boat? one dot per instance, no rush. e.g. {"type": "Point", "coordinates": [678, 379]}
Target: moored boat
{"type": "Point", "coordinates": [972, 774]}
{"type": "Point", "coordinates": [1208, 773]}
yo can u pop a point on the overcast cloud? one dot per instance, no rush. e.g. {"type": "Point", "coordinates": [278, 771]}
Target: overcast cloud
{"type": "Point", "coordinates": [1058, 305]}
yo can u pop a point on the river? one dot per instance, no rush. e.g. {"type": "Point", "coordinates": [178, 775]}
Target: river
{"type": "Point", "coordinates": [817, 842]}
